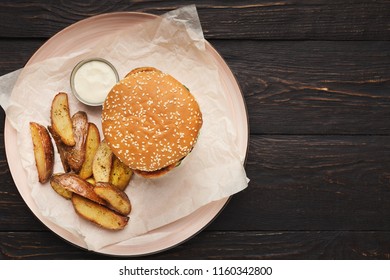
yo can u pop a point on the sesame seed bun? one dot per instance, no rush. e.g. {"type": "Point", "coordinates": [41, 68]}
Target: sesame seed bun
{"type": "Point", "coordinates": [150, 121]}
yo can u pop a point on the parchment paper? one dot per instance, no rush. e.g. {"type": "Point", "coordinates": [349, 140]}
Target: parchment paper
{"type": "Point", "coordinates": [214, 169]}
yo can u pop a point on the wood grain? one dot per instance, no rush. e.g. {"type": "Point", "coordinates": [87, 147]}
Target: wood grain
{"type": "Point", "coordinates": [219, 245]}
{"type": "Point", "coordinates": [315, 77]}
{"type": "Point", "coordinates": [313, 183]}
{"type": "Point", "coordinates": [303, 87]}
{"type": "Point", "coordinates": [14, 53]}
{"type": "Point", "coordinates": [313, 87]}
{"type": "Point", "coordinates": [265, 20]}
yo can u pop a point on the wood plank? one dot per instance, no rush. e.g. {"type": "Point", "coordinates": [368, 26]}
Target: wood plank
{"type": "Point", "coordinates": [15, 214]}
{"type": "Point", "coordinates": [285, 245]}
{"type": "Point", "coordinates": [313, 87]}
{"type": "Point", "coordinates": [313, 183]}
{"type": "Point", "coordinates": [15, 53]}
{"type": "Point", "coordinates": [302, 87]}
{"type": "Point", "coordinates": [219, 245]}
{"type": "Point", "coordinates": [297, 183]}
{"type": "Point", "coordinates": [265, 20]}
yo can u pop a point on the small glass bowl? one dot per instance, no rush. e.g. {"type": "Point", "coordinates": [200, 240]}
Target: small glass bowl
{"type": "Point", "coordinates": [73, 74]}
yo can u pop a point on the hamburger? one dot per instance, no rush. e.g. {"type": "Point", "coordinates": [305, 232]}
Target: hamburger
{"type": "Point", "coordinates": [150, 121]}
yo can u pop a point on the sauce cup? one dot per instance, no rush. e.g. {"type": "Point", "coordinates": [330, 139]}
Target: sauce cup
{"type": "Point", "coordinates": [92, 79]}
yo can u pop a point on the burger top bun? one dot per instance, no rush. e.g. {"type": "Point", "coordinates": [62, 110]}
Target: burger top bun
{"type": "Point", "coordinates": [150, 120]}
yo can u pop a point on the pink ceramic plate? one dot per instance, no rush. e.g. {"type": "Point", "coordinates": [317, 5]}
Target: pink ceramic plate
{"type": "Point", "coordinates": [84, 34]}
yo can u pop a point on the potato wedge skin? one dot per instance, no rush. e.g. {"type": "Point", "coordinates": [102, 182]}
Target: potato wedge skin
{"type": "Point", "coordinates": [116, 199]}
{"type": "Point", "coordinates": [43, 151]}
{"type": "Point", "coordinates": [98, 214]}
{"type": "Point", "coordinates": [60, 189]}
{"type": "Point", "coordinates": [75, 184]}
{"type": "Point", "coordinates": [120, 174]}
{"type": "Point", "coordinates": [76, 155]}
{"type": "Point", "coordinates": [92, 144]}
{"type": "Point", "coordinates": [62, 149]}
{"type": "Point", "coordinates": [101, 166]}
{"type": "Point", "coordinates": [60, 119]}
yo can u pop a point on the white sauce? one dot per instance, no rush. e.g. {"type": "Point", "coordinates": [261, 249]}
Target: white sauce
{"type": "Point", "coordinates": [93, 81]}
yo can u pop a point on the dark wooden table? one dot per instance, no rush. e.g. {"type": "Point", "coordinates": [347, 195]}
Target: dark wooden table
{"type": "Point", "coordinates": [316, 79]}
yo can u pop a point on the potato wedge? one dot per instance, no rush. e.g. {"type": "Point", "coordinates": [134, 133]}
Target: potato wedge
{"type": "Point", "coordinates": [43, 151]}
{"type": "Point", "coordinates": [60, 189]}
{"type": "Point", "coordinates": [101, 166]}
{"type": "Point", "coordinates": [120, 174]}
{"type": "Point", "coordinates": [76, 155]}
{"type": "Point", "coordinates": [60, 119]}
{"type": "Point", "coordinates": [91, 180]}
{"type": "Point", "coordinates": [62, 149]}
{"type": "Point", "coordinates": [75, 184]}
{"type": "Point", "coordinates": [116, 199]}
{"type": "Point", "coordinates": [98, 214]}
{"type": "Point", "coordinates": [92, 144]}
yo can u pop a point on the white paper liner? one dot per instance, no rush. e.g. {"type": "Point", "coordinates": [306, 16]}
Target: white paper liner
{"type": "Point", "coordinates": [173, 43]}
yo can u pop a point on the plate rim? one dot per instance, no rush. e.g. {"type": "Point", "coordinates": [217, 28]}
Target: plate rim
{"type": "Point", "coordinates": [103, 251]}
